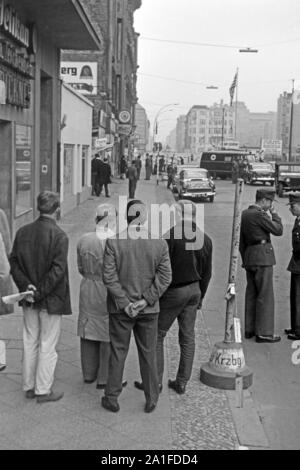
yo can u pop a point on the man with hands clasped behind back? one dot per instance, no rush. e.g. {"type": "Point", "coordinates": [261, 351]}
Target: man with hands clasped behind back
{"type": "Point", "coordinates": [137, 271]}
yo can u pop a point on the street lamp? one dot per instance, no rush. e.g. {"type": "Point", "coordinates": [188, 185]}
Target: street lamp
{"type": "Point", "coordinates": [248, 49]}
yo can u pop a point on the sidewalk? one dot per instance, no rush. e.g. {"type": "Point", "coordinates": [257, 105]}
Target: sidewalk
{"type": "Point", "coordinates": [199, 420]}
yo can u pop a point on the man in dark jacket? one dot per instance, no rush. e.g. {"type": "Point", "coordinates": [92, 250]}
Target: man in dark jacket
{"type": "Point", "coordinates": [39, 264]}
{"type": "Point", "coordinates": [133, 179]}
{"type": "Point", "coordinates": [258, 260]}
{"type": "Point", "coordinates": [191, 274]}
{"type": "Point", "coordinates": [138, 165]}
{"type": "Point", "coordinates": [294, 268]}
{"type": "Point", "coordinates": [104, 176]}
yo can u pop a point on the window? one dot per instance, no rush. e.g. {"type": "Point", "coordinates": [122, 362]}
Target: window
{"type": "Point", "coordinates": [84, 157]}
{"type": "Point", "coordinates": [23, 172]}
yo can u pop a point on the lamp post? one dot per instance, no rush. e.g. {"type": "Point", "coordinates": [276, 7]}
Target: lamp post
{"type": "Point", "coordinates": [155, 132]}
{"type": "Point", "coordinates": [291, 123]}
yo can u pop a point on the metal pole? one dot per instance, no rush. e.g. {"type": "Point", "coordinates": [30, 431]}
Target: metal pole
{"type": "Point", "coordinates": [231, 311]}
{"type": "Point", "coordinates": [223, 119]}
{"type": "Point", "coordinates": [236, 103]}
{"type": "Point", "coordinates": [291, 123]}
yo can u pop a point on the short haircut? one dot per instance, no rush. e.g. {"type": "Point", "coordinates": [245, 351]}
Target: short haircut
{"type": "Point", "coordinates": [136, 209]}
{"type": "Point", "coordinates": [48, 202]}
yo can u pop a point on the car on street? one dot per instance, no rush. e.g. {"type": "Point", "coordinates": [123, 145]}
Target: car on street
{"type": "Point", "coordinates": [219, 163]}
{"type": "Point", "coordinates": [195, 183]}
{"type": "Point", "coordinates": [258, 172]}
{"type": "Point", "coordinates": [179, 169]}
{"type": "Point", "coordinates": [287, 177]}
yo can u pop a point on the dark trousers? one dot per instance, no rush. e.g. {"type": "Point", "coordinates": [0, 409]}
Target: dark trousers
{"type": "Point", "coordinates": [101, 184]}
{"type": "Point", "coordinates": [179, 303]}
{"type": "Point", "coordinates": [94, 360]}
{"type": "Point", "coordinates": [132, 188]}
{"type": "Point", "coordinates": [139, 173]}
{"type": "Point", "coordinates": [94, 184]}
{"type": "Point", "coordinates": [295, 303]}
{"type": "Point", "coordinates": [259, 304]}
{"type": "Point", "coordinates": [144, 327]}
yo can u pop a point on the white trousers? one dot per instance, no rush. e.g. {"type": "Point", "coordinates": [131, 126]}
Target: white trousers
{"type": "Point", "coordinates": [40, 337]}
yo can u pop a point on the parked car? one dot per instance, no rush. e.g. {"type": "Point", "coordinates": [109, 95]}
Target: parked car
{"type": "Point", "coordinates": [179, 169]}
{"type": "Point", "coordinates": [259, 173]}
{"type": "Point", "coordinates": [195, 183]}
{"type": "Point", "coordinates": [287, 177]}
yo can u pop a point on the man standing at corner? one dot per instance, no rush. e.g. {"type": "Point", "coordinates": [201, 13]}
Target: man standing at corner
{"type": "Point", "coordinates": [137, 272]}
{"type": "Point", "coordinates": [294, 268]}
{"type": "Point", "coordinates": [39, 264]}
{"type": "Point", "coordinates": [258, 260]}
{"type": "Point", "coordinates": [133, 179]}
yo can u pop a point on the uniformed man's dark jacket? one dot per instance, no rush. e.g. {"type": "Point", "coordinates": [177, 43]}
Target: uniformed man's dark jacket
{"type": "Point", "coordinates": [255, 242]}
{"type": "Point", "coordinates": [104, 172]}
{"type": "Point", "coordinates": [294, 266]}
{"type": "Point", "coordinates": [39, 257]}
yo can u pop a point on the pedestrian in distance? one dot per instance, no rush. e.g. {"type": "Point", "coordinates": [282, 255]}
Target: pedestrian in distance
{"type": "Point", "coordinates": [104, 176]}
{"type": "Point", "coordinates": [294, 268]}
{"type": "Point", "coordinates": [148, 167]}
{"type": "Point", "coordinates": [94, 168]}
{"type": "Point", "coordinates": [39, 263]}
{"type": "Point", "coordinates": [137, 272]}
{"type": "Point", "coordinates": [123, 167]}
{"type": "Point", "coordinates": [191, 274]}
{"type": "Point", "coordinates": [258, 260]}
{"type": "Point", "coordinates": [132, 179]}
{"type": "Point", "coordinates": [138, 165]}
{"type": "Point", "coordinates": [93, 320]}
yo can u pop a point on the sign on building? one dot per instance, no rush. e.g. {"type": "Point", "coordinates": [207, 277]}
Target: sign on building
{"type": "Point", "coordinates": [82, 76]}
{"type": "Point", "coordinates": [272, 147]}
{"type": "Point", "coordinates": [100, 143]}
{"type": "Point", "coordinates": [125, 129]}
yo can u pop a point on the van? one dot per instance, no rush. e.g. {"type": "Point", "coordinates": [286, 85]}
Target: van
{"type": "Point", "coordinates": [219, 163]}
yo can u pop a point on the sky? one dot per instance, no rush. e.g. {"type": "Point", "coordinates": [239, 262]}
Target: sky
{"type": "Point", "coordinates": [271, 26]}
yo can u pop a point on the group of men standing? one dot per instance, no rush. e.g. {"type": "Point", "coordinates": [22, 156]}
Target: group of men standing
{"type": "Point", "coordinates": [259, 222]}
{"type": "Point", "coordinates": [150, 283]}
{"type": "Point", "coordinates": [101, 176]}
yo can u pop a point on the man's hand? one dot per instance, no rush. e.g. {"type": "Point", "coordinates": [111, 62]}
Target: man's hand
{"type": "Point", "coordinates": [272, 209]}
{"type": "Point", "coordinates": [30, 298]}
{"type": "Point", "coordinates": [140, 305]}
{"type": "Point", "coordinates": [130, 311]}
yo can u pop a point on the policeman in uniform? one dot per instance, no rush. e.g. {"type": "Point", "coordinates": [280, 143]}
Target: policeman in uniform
{"type": "Point", "coordinates": [258, 260]}
{"type": "Point", "coordinates": [294, 268]}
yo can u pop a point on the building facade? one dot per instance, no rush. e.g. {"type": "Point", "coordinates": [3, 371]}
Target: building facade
{"type": "Point", "coordinates": [31, 38]}
{"type": "Point", "coordinates": [114, 91]}
{"type": "Point", "coordinates": [208, 128]}
{"type": "Point", "coordinates": [181, 134]}
{"type": "Point", "coordinates": [142, 129]}
{"type": "Point", "coordinates": [252, 128]}
{"type": "Point", "coordinates": [76, 148]}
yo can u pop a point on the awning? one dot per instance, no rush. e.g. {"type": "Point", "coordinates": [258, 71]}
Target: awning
{"type": "Point", "coordinates": [64, 22]}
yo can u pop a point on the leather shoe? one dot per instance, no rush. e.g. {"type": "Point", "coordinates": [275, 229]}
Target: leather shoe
{"type": "Point", "coordinates": [52, 396]}
{"type": "Point", "coordinates": [289, 331]}
{"type": "Point", "coordinates": [149, 407]}
{"type": "Point", "coordinates": [294, 337]}
{"type": "Point", "coordinates": [140, 386]}
{"type": "Point", "coordinates": [102, 386]}
{"type": "Point", "coordinates": [108, 405]}
{"type": "Point", "coordinates": [30, 394]}
{"type": "Point", "coordinates": [179, 388]}
{"type": "Point", "coordinates": [268, 339]}
{"type": "Point", "coordinates": [249, 335]}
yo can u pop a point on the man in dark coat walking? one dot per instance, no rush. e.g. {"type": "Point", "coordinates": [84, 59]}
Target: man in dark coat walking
{"type": "Point", "coordinates": [104, 176]}
{"type": "Point", "coordinates": [39, 264]}
{"type": "Point", "coordinates": [294, 268]}
{"type": "Point", "coordinates": [258, 260]}
{"type": "Point", "coordinates": [133, 179]}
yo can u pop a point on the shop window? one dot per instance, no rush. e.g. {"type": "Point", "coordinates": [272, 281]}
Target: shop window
{"type": "Point", "coordinates": [68, 169]}
{"type": "Point", "coordinates": [23, 172]}
{"type": "Point", "coordinates": [84, 159]}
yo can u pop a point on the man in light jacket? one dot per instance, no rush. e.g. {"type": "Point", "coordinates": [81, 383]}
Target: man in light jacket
{"type": "Point", "coordinates": [137, 271]}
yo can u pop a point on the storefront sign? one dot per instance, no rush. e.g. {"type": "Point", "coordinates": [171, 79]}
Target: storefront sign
{"type": "Point", "coordinates": [11, 24]}
{"type": "Point", "coordinates": [10, 56]}
{"type": "Point", "coordinates": [17, 88]}
{"type": "Point", "coordinates": [125, 129]}
{"type": "Point", "coordinates": [82, 76]}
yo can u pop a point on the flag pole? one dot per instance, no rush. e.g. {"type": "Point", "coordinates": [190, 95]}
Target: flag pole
{"type": "Point", "coordinates": [236, 102]}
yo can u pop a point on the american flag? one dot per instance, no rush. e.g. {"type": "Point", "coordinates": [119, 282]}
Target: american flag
{"type": "Point", "coordinates": [233, 87]}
